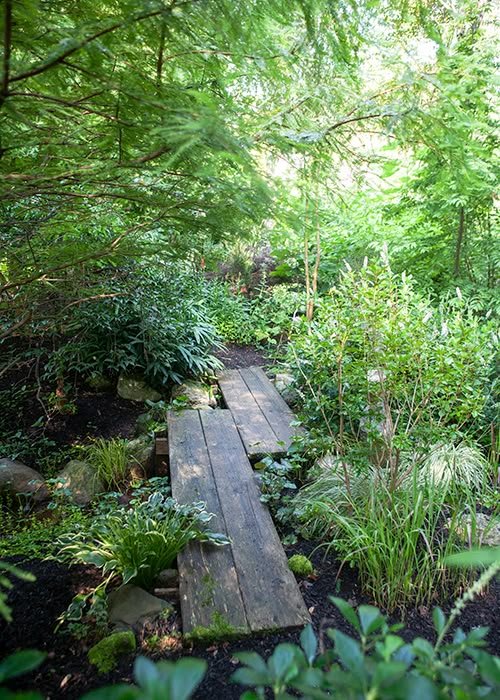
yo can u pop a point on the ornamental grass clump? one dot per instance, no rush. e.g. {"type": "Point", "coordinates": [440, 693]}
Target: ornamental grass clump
{"type": "Point", "coordinates": [138, 542]}
{"type": "Point", "coordinates": [110, 459]}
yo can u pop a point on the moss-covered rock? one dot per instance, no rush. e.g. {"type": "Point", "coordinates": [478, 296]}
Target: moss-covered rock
{"type": "Point", "coordinates": [134, 388]}
{"type": "Point", "coordinates": [106, 653]}
{"type": "Point", "coordinates": [300, 565]}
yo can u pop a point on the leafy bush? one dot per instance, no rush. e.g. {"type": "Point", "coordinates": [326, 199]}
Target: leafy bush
{"type": "Point", "coordinates": [379, 665]}
{"type": "Point", "coordinates": [264, 317]}
{"type": "Point", "coordinates": [155, 324]}
{"type": "Point", "coordinates": [384, 375]}
{"type": "Point", "coordinates": [230, 313]}
{"type": "Point", "coordinates": [140, 541]}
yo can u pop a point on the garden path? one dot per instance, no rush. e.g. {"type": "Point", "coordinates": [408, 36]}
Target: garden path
{"type": "Point", "coordinates": [245, 586]}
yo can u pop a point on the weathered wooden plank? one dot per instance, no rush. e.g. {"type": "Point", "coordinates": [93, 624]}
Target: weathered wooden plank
{"type": "Point", "coordinates": [278, 413]}
{"type": "Point", "coordinates": [256, 433]}
{"type": "Point", "coordinates": [208, 582]}
{"type": "Point", "coordinates": [270, 593]}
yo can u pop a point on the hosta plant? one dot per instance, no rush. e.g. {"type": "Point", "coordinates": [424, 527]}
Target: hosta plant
{"type": "Point", "coordinates": [140, 541]}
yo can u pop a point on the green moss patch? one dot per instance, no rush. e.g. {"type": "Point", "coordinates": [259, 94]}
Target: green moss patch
{"type": "Point", "coordinates": [219, 629]}
{"type": "Point", "coordinates": [106, 653]}
{"type": "Point", "coordinates": [300, 565]}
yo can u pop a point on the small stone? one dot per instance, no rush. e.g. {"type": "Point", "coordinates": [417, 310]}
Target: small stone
{"type": "Point", "coordinates": [98, 383]}
{"type": "Point", "coordinates": [143, 424]}
{"type": "Point", "coordinates": [80, 482]}
{"type": "Point", "coordinates": [284, 383]}
{"type": "Point", "coordinates": [17, 479]}
{"type": "Point", "coordinates": [487, 529]}
{"type": "Point", "coordinates": [106, 653]}
{"type": "Point", "coordinates": [141, 450]}
{"type": "Point", "coordinates": [131, 605]}
{"type": "Point", "coordinates": [135, 388]}
{"type": "Point", "coordinates": [168, 578]}
{"type": "Point", "coordinates": [196, 395]}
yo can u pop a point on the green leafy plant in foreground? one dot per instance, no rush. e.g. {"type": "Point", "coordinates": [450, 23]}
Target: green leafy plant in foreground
{"type": "Point", "coordinates": [165, 680]}
{"type": "Point", "coordinates": [140, 541]}
{"type": "Point", "coordinates": [17, 665]}
{"type": "Point", "coordinates": [380, 665]}
{"type": "Point", "coordinates": [7, 571]}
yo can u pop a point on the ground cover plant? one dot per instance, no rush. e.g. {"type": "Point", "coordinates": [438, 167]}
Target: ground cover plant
{"type": "Point", "coordinates": [299, 184]}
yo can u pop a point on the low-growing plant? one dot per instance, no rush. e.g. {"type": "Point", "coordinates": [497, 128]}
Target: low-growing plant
{"type": "Point", "coordinates": [166, 680]}
{"type": "Point", "coordinates": [110, 459]}
{"type": "Point", "coordinates": [140, 541]}
{"type": "Point", "coordinates": [456, 465]}
{"type": "Point", "coordinates": [35, 538]}
{"type": "Point", "coordinates": [380, 665]}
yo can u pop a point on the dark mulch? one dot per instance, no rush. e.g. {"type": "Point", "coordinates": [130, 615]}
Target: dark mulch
{"type": "Point", "coordinates": [26, 396]}
{"type": "Point", "coordinates": [67, 674]}
{"type": "Point", "coordinates": [238, 356]}
{"type": "Point", "coordinates": [97, 415]}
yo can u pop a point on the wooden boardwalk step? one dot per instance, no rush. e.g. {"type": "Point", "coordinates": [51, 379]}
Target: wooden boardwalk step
{"type": "Point", "coordinates": [246, 584]}
{"type": "Point", "coordinates": [261, 415]}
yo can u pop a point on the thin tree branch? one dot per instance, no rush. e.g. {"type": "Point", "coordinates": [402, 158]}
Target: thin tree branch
{"type": "Point", "coordinates": [7, 44]}
{"type": "Point", "coordinates": [36, 70]}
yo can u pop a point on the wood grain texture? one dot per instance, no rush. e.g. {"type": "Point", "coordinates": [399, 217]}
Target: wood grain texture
{"type": "Point", "coordinates": [270, 593]}
{"type": "Point", "coordinates": [262, 416]}
{"type": "Point", "coordinates": [257, 435]}
{"type": "Point", "coordinates": [208, 582]}
{"type": "Point", "coordinates": [250, 583]}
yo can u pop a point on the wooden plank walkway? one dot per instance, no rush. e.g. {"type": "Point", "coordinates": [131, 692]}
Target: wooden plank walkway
{"type": "Point", "coordinates": [246, 584]}
{"type": "Point", "coordinates": [261, 415]}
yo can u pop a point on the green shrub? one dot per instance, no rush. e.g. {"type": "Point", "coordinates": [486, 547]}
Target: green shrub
{"type": "Point", "coordinates": [140, 541]}
{"type": "Point", "coordinates": [155, 325]}
{"type": "Point", "coordinates": [300, 565]}
{"type": "Point", "coordinates": [262, 318]}
{"type": "Point", "coordinates": [384, 375]}
{"type": "Point", "coordinates": [230, 313]}
{"type": "Point", "coordinates": [380, 665]}
{"type": "Point", "coordinates": [106, 653]}
{"type": "Point", "coordinates": [273, 311]}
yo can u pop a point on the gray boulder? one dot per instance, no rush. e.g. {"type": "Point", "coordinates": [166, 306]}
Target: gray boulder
{"type": "Point", "coordinates": [135, 389]}
{"type": "Point", "coordinates": [98, 382]}
{"type": "Point", "coordinates": [168, 578]}
{"type": "Point", "coordinates": [16, 479]}
{"type": "Point", "coordinates": [142, 451]}
{"type": "Point", "coordinates": [80, 481]}
{"type": "Point", "coordinates": [131, 606]}
{"type": "Point", "coordinates": [284, 383]}
{"type": "Point", "coordinates": [487, 529]}
{"type": "Point", "coordinates": [197, 395]}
